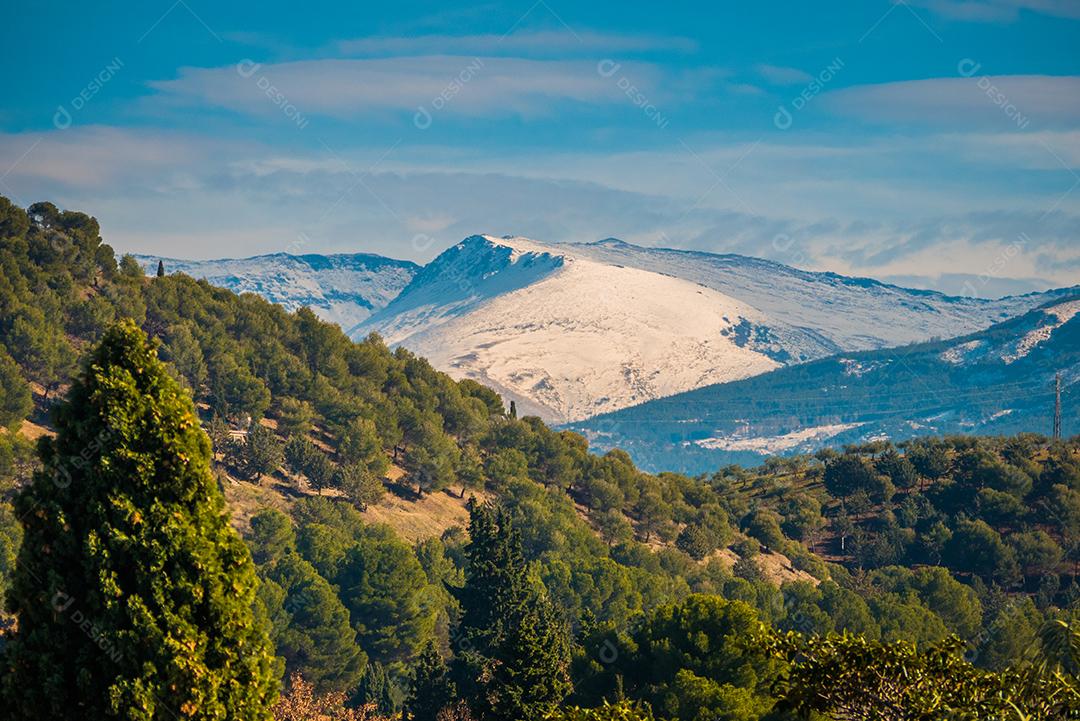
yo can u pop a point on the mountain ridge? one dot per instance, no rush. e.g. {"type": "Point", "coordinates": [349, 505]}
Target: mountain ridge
{"type": "Point", "coordinates": [505, 311]}
{"type": "Point", "coordinates": [344, 288]}
{"type": "Point", "coordinates": [778, 314]}
{"type": "Point", "coordinates": [992, 382]}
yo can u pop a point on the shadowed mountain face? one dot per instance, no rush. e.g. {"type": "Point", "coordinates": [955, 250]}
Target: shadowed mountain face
{"type": "Point", "coordinates": [996, 381]}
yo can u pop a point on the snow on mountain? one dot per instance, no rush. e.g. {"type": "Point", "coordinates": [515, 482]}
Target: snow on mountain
{"type": "Point", "coordinates": [802, 439]}
{"type": "Point", "coordinates": [566, 336]}
{"type": "Point", "coordinates": [997, 381]}
{"type": "Point", "coordinates": [835, 312]}
{"type": "Point", "coordinates": [344, 289]}
{"type": "Point", "coordinates": [1057, 316]}
{"type": "Point", "coordinates": [1046, 320]}
{"type": "Point", "coordinates": [574, 330]}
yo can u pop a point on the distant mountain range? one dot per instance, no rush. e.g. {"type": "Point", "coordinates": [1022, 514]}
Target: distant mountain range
{"type": "Point", "coordinates": [995, 381]}
{"type": "Point", "coordinates": [571, 331]}
{"type": "Point", "coordinates": [343, 289]}
{"type": "Point", "coordinates": [574, 330]}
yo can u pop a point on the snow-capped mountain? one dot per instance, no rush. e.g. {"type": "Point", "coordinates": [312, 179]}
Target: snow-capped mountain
{"type": "Point", "coordinates": [830, 312]}
{"type": "Point", "coordinates": [344, 289]}
{"type": "Point", "coordinates": [996, 381]}
{"type": "Point", "coordinates": [567, 336]}
{"type": "Point", "coordinates": [574, 330]}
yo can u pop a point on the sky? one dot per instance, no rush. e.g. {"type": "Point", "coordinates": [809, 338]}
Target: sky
{"type": "Point", "coordinates": [932, 143]}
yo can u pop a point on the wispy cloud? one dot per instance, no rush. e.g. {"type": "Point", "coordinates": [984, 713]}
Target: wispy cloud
{"type": "Point", "coordinates": [998, 10]}
{"type": "Point", "coordinates": [534, 43]}
{"type": "Point", "coordinates": [97, 155]}
{"type": "Point", "coordinates": [779, 75]}
{"type": "Point", "coordinates": [183, 196]}
{"type": "Point", "coordinates": [352, 88]}
{"type": "Point", "coordinates": [978, 101]}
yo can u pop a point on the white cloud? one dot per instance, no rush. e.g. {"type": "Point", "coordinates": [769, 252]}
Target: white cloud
{"type": "Point", "coordinates": [185, 196]}
{"type": "Point", "coordinates": [779, 75]}
{"type": "Point", "coordinates": [525, 43]}
{"type": "Point", "coordinates": [1017, 102]}
{"type": "Point", "coordinates": [351, 88]}
{"type": "Point", "coordinates": [1044, 150]}
{"type": "Point", "coordinates": [999, 10]}
{"type": "Point", "coordinates": [96, 156]}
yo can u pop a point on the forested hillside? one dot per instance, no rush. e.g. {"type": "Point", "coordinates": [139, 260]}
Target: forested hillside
{"type": "Point", "coordinates": [583, 580]}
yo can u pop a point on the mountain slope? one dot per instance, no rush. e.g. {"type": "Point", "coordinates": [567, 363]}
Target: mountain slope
{"type": "Point", "coordinates": [996, 381]}
{"type": "Point", "coordinates": [847, 313]}
{"type": "Point", "coordinates": [344, 288]}
{"type": "Point", "coordinates": [563, 335]}
{"type": "Point", "coordinates": [573, 330]}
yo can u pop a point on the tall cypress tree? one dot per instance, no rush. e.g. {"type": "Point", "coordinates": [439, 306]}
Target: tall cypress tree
{"type": "Point", "coordinates": [514, 649]}
{"type": "Point", "coordinates": [134, 595]}
{"type": "Point", "coordinates": [376, 688]}
{"type": "Point", "coordinates": [431, 690]}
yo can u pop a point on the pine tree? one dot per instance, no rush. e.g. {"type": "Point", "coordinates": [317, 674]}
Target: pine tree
{"type": "Point", "coordinates": [261, 452]}
{"type": "Point", "coordinates": [313, 632]}
{"type": "Point", "coordinates": [359, 485]}
{"type": "Point", "coordinates": [513, 409]}
{"type": "Point", "coordinates": [134, 595]}
{"type": "Point", "coordinates": [161, 269]}
{"type": "Point", "coordinates": [431, 690]}
{"type": "Point", "coordinates": [516, 651]}
{"type": "Point", "coordinates": [272, 536]}
{"type": "Point", "coordinates": [15, 400]}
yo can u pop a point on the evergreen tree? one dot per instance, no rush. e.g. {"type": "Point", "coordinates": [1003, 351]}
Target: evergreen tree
{"type": "Point", "coordinates": [15, 400]}
{"type": "Point", "coordinates": [272, 536]}
{"type": "Point", "coordinates": [313, 632]}
{"type": "Point", "coordinates": [218, 431]}
{"type": "Point", "coordinates": [432, 689]}
{"type": "Point", "coordinates": [513, 409]}
{"type": "Point", "coordinates": [359, 485]}
{"type": "Point", "coordinates": [320, 471]}
{"type": "Point", "coordinates": [516, 651]}
{"type": "Point", "coordinates": [360, 444]}
{"type": "Point", "coordinates": [385, 589]}
{"type": "Point", "coordinates": [261, 452]}
{"type": "Point", "coordinates": [183, 351]}
{"type": "Point", "coordinates": [295, 417]}
{"type": "Point", "coordinates": [10, 538]}
{"type": "Point", "coordinates": [39, 346]}
{"type": "Point", "coordinates": [161, 269]}
{"type": "Point", "coordinates": [470, 470]}
{"type": "Point", "coordinates": [134, 595]}
{"type": "Point", "coordinates": [376, 690]}
{"type": "Point", "coordinates": [695, 542]}
{"type": "Point", "coordinates": [848, 474]}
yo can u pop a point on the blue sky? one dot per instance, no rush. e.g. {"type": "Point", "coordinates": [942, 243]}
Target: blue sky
{"type": "Point", "coordinates": [931, 142]}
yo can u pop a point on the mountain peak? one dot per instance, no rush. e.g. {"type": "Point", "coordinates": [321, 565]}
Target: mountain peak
{"type": "Point", "coordinates": [519, 246]}
{"type": "Point", "coordinates": [612, 242]}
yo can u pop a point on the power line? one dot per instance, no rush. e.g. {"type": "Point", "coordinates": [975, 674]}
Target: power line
{"type": "Point", "coordinates": [1057, 407]}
